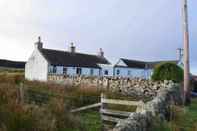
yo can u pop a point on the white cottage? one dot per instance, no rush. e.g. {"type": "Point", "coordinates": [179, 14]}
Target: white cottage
{"type": "Point", "coordinates": [135, 68]}
{"type": "Point", "coordinates": [44, 62]}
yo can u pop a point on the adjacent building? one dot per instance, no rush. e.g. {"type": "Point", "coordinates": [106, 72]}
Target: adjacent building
{"type": "Point", "coordinates": [135, 68]}
{"type": "Point", "coordinates": [46, 62]}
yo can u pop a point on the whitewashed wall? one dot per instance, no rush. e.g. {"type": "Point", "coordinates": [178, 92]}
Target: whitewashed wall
{"type": "Point", "coordinates": [148, 73]}
{"type": "Point", "coordinates": [72, 71]}
{"type": "Point", "coordinates": [108, 68]}
{"type": "Point", "coordinates": [87, 71]}
{"type": "Point", "coordinates": [132, 72]}
{"type": "Point", "coordinates": [36, 67]}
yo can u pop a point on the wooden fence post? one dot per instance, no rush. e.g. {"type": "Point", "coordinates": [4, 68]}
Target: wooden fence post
{"type": "Point", "coordinates": [103, 96]}
{"type": "Point", "coordinates": [21, 93]}
{"type": "Point", "coordinates": [103, 106]}
{"type": "Point", "coordinates": [140, 107]}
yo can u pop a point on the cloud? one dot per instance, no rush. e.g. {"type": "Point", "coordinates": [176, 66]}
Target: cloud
{"type": "Point", "coordinates": [137, 29]}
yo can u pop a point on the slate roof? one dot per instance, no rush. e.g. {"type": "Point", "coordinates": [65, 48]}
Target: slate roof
{"type": "Point", "coordinates": [134, 63]}
{"type": "Point", "coordinates": [142, 64]}
{"type": "Point", "coordinates": [64, 58]}
{"type": "Point", "coordinates": [12, 64]}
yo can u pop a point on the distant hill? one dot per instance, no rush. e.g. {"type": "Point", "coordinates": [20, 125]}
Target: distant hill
{"type": "Point", "coordinates": [12, 64]}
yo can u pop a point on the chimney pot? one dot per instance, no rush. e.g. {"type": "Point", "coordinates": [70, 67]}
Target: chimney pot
{"type": "Point", "coordinates": [72, 48]}
{"type": "Point", "coordinates": [39, 44]}
{"type": "Point", "coordinates": [101, 52]}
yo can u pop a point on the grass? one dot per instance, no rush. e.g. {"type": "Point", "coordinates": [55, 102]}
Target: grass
{"type": "Point", "coordinates": [11, 70]}
{"type": "Point", "coordinates": [51, 116]}
{"type": "Point", "coordinates": [182, 119]}
{"type": "Point", "coordinates": [54, 114]}
{"type": "Point", "coordinates": [91, 120]}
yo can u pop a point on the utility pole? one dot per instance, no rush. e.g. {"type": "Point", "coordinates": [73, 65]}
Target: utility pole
{"type": "Point", "coordinates": [186, 88]}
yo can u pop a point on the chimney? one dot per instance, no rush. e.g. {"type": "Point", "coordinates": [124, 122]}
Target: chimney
{"type": "Point", "coordinates": [72, 48]}
{"type": "Point", "coordinates": [179, 54]}
{"type": "Point", "coordinates": [101, 53]}
{"type": "Point", "coordinates": [39, 44]}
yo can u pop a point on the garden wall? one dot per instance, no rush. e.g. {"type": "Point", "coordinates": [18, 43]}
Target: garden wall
{"type": "Point", "coordinates": [133, 87]}
{"type": "Point", "coordinates": [158, 107]}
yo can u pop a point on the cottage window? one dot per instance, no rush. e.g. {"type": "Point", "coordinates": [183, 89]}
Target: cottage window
{"type": "Point", "coordinates": [50, 69]}
{"type": "Point", "coordinates": [118, 72]}
{"type": "Point", "coordinates": [65, 71]}
{"type": "Point", "coordinates": [91, 72]}
{"type": "Point", "coordinates": [129, 73]}
{"type": "Point", "coordinates": [106, 72]}
{"type": "Point", "coordinates": [54, 69]}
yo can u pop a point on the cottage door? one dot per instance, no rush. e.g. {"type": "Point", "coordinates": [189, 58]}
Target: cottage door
{"type": "Point", "coordinates": [78, 71]}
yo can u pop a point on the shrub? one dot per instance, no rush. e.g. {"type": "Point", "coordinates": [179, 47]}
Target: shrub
{"type": "Point", "coordinates": [168, 71]}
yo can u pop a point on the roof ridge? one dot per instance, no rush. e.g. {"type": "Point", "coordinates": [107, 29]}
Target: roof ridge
{"type": "Point", "coordinates": [60, 57]}
{"type": "Point", "coordinates": [149, 61]}
{"type": "Point", "coordinates": [133, 60]}
{"type": "Point", "coordinates": [70, 52]}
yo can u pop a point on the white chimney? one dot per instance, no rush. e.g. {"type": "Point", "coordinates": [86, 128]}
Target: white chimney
{"type": "Point", "coordinates": [72, 48]}
{"type": "Point", "coordinates": [101, 52]}
{"type": "Point", "coordinates": [39, 44]}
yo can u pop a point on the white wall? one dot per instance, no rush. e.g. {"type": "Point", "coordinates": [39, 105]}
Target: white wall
{"type": "Point", "coordinates": [148, 73]}
{"type": "Point", "coordinates": [134, 72]}
{"type": "Point", "coordinates": [59, 70]}
{"type": "Point", "coordinates": [87, 71]}
{"type": "Point", "coordinates": [36, 67]}
{"type": "Point", "coordinates": [108, 68]}
{"type": "Point", "coordinates": [72, 71]}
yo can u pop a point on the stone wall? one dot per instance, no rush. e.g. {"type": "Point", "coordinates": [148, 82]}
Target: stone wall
{"type": "Point", "coordinates": [159, 106]}
{"type": "Point", "coordinates": [132, 87]}
{"type": "Point", "coordinates": [163, 94]}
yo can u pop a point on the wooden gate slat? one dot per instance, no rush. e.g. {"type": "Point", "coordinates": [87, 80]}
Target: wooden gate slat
{"type": "Point", "coordinates": [121, 102]}
{"type": "Point", "coordinates": [115, 112]}
{"type": "Point", "coordinates": [86, 107]}
{"type": "Point", "coordinates": [110, 119]}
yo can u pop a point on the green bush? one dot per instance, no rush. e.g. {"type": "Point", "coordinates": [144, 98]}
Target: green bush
{"type": "Point", "coordinates": [168, 71]}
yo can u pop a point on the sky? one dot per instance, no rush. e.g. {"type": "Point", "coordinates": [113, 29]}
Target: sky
{"type": "Point", "coordinates": [135, 29]}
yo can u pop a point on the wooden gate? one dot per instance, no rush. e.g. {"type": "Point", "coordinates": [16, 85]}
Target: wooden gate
{"type": "Point", "coordinates": [111, 117]}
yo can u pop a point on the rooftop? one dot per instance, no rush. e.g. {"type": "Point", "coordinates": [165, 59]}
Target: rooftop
{"type": "Point", "coordinates": [69, 59]}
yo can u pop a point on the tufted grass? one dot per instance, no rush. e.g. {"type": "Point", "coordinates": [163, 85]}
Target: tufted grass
{"type": "Point", "coordinates": [15, 116]}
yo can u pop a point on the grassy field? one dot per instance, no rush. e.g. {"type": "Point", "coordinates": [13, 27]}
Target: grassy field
{"type": "Point", "coordinates": [91, 120]}
{"type": "Point", "coordinates": [51, 115]}
{"type": "Point", "coordinates": [55, 116]}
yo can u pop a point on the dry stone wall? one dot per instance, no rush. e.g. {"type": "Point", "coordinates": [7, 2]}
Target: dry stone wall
{"type": "Point", "coordinates": [163, 94]}
{"type": "Point", "coordinates": [134, 87]}
{"type": "Point", "coordinates": [159, 106]}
